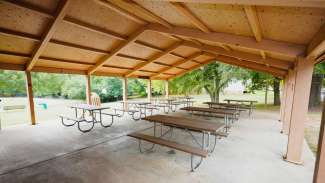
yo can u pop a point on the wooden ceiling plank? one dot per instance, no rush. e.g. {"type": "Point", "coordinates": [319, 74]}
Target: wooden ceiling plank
{"type": "Point", "coordinates": [61, 12]}
{"type": "Point", "coordinates": [317, 45]}
{"type": "Point", "coordinates": [254, 22]}
{"type": "Point", "coordinates": [280, 47]}
{"type": "Point", "coordinates": [150, 14]}
{"type": "Point", "coordinates": [31, 7]}
{"type": "Point", "coordinates": [84, 25]}
{"type": "Point", "coordinates": [106, 58]}
{"type": "Point", "coordinates": [122, 12]}
{"type": "Point", "coordinates": [285, 3]}
{"type": "Point", "coordinates": [154, 58]}
{"type": "Point", "coordinates": [183, 10]}
{"type": "Point", "coordinates": [193, 56]}
{"type": "Point", "coordinates": [241, 55]}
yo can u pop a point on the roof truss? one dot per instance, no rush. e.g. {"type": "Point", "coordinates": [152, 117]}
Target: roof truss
{"type": "Point", "coordinates": [61, 11]}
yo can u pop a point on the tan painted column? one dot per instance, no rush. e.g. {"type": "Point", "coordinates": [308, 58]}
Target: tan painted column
{"type": "Point", "coordinates": [304, 71]}
{"type": "Point", "coordinates": [319, 172]}
{"type": "Point", "coordinates": [88, 89]}
{"type": "Point", "coordinates": [149, 89]}
{"type": "Point", "coordinates": [30, 96]}
{"type": "Point", "coordinates": [125, 93]}
{"type": "Point", "coordinates": [166, 89]}
{"type": "Point", "coordinates": [283, 98]}
{"type": "Point", "coordinates": [291, 80]}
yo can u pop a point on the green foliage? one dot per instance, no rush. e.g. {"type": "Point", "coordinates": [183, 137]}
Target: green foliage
{"type": "Point", "coordinates": [257, 81]}
{"type": "Point", "coordinates": [137, 87]}
{"type": "Point", "coordinates": [74, 87]}
{"type": "Point", "coordinates": [158, 87]}
{"type": "Point", "coordinates": [45, 84]}
{"type": "Point", "coordinates": [12, 83]}
{"type": "Point", "coordinates": [109, 89]}
{"type": "Point", "coordinates": [213, 78]}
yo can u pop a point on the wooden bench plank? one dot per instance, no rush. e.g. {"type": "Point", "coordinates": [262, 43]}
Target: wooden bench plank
{"type": "Point", "coordinates": [170, 144]}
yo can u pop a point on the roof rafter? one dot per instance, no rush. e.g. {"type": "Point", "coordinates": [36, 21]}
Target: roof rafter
{"type": "Point", "coordinates": [145, 11]}
{"type": "Point", "coordinates": [286, 3]}
{"type": "Point", "coordinates": [180, 7]}
{"type": "Point", "coordinates": [317, 46]}
{"type": "Point", "coordinates": [284, 48]}
{"type": "Point", "coordinates": [254, 22]}
{"type": "Point", "coordinates": [47, 35]}
{"type": "Point", "coordinates": [106, 58]}
{"type": "Point", "coordinates": [154, 58]}
{"type": "Point", "coordinates": [121, 11]}
{"type": "Point", "coordinates": [178, 63]}
{"type": "Point", "coordinates": [250, 65]}
{"type": "Point", "coordinates": [241, 55]}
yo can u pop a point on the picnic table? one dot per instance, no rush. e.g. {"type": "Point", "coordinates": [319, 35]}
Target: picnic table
{"type": "Point", "coordinates": [189, 125]}
{"type": "Point", "coordinates": [227, 115]}
{"type": "Point", "coordinates": [238, 107]}
{"type": "Point", "coordinates": [142, 107]}
{"type": "Point", "coordinates": [86, 123]}
{"type": "Point", "coordinates": [250, 103]}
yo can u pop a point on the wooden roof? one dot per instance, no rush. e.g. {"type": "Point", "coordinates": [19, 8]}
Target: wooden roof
{"type": "Point", "coordinates": [158, 39]}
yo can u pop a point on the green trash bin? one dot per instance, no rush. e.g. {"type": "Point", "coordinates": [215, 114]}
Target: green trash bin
{"type": "Point", "coordinates": [43, 105]}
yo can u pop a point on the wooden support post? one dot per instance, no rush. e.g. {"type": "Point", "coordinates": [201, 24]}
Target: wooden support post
{"type": "Point", "coordinates": [290, 84]}
{"type": "Point", "coordinates": [283, 99]}
{"type": "Point", "coordinates": [88, 89]}
{"type": "Point", "coordinates": [149, 89]}
{"type": "Point", "coordinates": [304, 71]}
{"type": "Point", "coordinates": [166, 89]}
{"type": "Point", "coordinates": [30, 96]}
{"type": "Point", "coordinates": [125, 93]}
{"type": "Point", "coordinates": [319, 171]}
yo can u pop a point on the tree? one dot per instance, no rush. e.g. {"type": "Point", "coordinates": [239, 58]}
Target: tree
{"type": "Point", "coordinates": [12, 83]}
{"type": "Point", "coordinates": [213, 78]}
{"type": "Point", "coordinates": [316, 86]}
{"type": "Point", "coordinates": [259, 81]}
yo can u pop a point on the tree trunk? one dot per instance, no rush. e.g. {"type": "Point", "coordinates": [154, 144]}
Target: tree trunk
{"type": "Point", "coordinates": [217, 96]}
{"type": "Point", "coordinates": [266, 93]}
{"type": "Point", "coordinates": [276, 91]}
{"type": "Point", "coordinates": [315, 90]}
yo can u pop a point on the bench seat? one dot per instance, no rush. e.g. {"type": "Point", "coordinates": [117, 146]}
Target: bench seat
{"type": "Point", "coordinates": [170, 144]}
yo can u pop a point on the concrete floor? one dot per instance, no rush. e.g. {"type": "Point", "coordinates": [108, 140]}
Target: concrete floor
{"type": "Point", "coordinates": [50, 152]}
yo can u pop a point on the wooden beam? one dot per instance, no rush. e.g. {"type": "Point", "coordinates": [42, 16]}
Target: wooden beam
{"type": "Point", "coordinates": [61, 11]}
{"type": "Point", "coordinates": [30, 96]}
{"type": "Point", "coordinates": [166, 89]}
{"type": "Point", "coordinates": [154, 58]}
{"type": "Point", "coordinates": [285, 3]}
{"type": "Point", "coordinates": [252, 66]}
{"type": "Point", "coordinates": [121, 11]}
{"type": "Point", "coordinates": [125, 93]}
{"type": "Point", "coordinates": [149, 89]}
{"type": "Point", "coordinates": [183, 10]}
{"type": "Point", "coordinates": [317, 45]}
{"type": "Point", "coordinates": [280, 47]}
{"type": "Point", "coordinates": [304, 71]}
{"type": "Point", "coordinates": [254, 23]}
{"type": "Point", "coordinates": [106, 58]}
{"type": "Point", "coordinates": [241, 55]}
{"type": "Point", "coordinates": [193, 68]}
{"type": "Point", "coordinates": [193, 56]}
{"type": "Point", "coordinates": [319, 171]}
{"type": "Point", "coordinates": [263, 54]}
{"type": "Point", "coordinates": [139, 8]}
{"type": "Point", "coordinates": [88, 89]}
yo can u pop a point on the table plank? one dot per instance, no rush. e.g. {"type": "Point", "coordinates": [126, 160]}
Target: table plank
{"type": "Point", "coordinates": [187, 123]}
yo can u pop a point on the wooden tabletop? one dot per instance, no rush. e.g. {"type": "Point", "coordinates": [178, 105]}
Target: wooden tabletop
{"type": "Point", "coordinates": [211, 110]}
{"type": "Point", "coordinates": [235, 100]}
{"type": "Point", "coordinates": [89, 107]}
{"type": "Point", "coordinates": [187, 123]}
